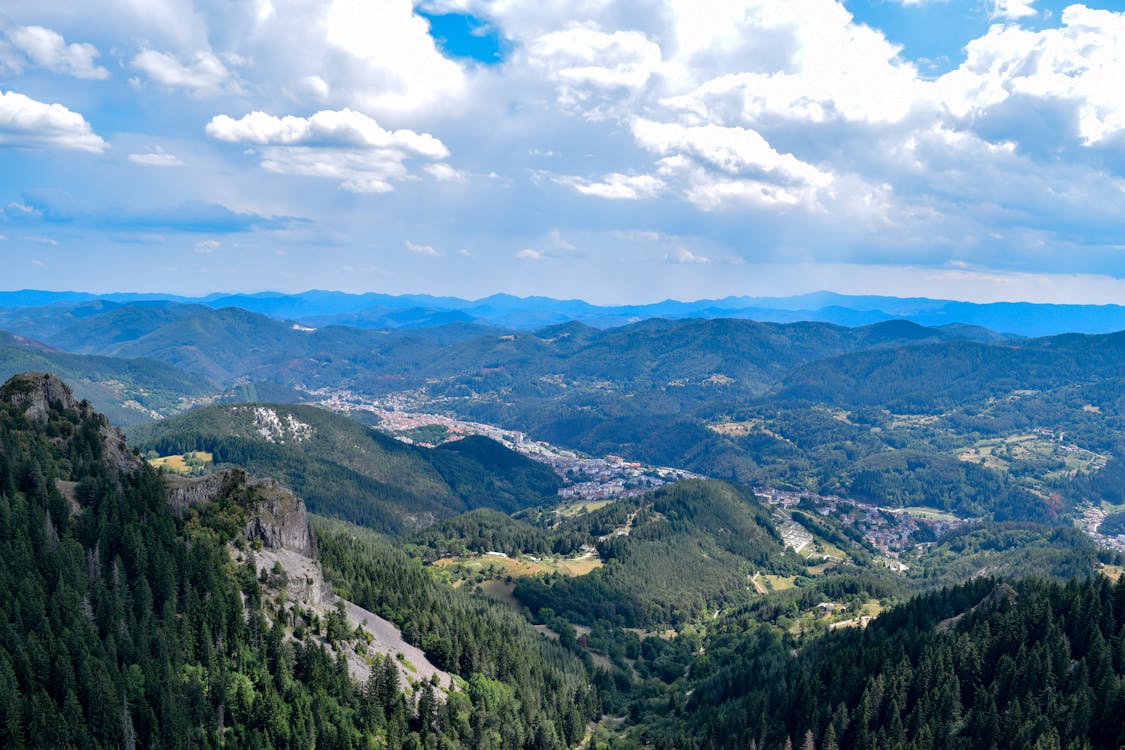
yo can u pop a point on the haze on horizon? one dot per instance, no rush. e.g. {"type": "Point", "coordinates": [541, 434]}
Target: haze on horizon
{"type": "Point", "coordinates": [614, 152]}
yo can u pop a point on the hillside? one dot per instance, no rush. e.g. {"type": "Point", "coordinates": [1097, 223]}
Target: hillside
{"type": "Point", "coordinates": [938, 376]}
{"type": "Point", "coordinates": [130, 391]}
{"type": "Point", "coordinates": [670, 557]}
{"type": "Point", "coordinates": [136, 616]}
{"type": "Point", "coordinates": [345, 470]}
{"type": "Point", "coordinates": [980, 665]}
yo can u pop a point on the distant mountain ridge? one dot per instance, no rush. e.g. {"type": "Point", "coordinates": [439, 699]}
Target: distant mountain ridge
{"type": "Point", "coordinates": [409, 311]}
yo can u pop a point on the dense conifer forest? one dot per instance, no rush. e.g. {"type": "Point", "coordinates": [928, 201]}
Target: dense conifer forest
{"type": "Point", "coordinates": [124, 626]}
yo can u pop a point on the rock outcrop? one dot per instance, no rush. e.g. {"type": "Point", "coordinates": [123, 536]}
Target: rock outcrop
{"type": "Point", "coordinates": [184, 492]}
{"type": "Point", "coordinates": [279, 520]}
{"type": "Point", "coordinates": [277, 517]}
{"type": "Point", "coordinates": [35, 394]}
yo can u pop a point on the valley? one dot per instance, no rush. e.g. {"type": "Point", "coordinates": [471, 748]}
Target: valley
{"type": "Point", "coordinates": [569, 524]}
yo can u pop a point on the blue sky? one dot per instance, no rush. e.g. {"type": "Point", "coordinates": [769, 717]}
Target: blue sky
{"type": "Point", "coordinates": [614, 151]}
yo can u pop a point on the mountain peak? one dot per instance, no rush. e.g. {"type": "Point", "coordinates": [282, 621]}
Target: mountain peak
{"type": "Point", "coordinates": [36, 392]}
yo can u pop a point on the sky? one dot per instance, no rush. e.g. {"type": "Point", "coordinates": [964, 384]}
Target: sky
{"type": "Point", "coordinates": [612, 151]}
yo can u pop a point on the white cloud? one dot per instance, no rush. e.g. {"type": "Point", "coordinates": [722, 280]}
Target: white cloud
{"type": "Point", "coordinates": [27, 122]}
{"type": "Point", "coordinates": [530, 254]}
{"type": "Point", "coordinates": [205, 75]}
{"type": "Point", "coordinates": [593, 69]}
{"type": "Point", "coordinates": [401, 66]}
{"type": "Point", "coordinates": [683, 255]}
{"type": "Point", "coordinates": [344, 145]}
{"type": "Point", "coordinates": [206, 247]}
{"type": "Point", "coordinates": [444, 173]}
{"type": "Point", "coordinates": [1012, 9]}
{"type": "Point", "coordinates": [734, 151]}
{"type": "Point", "coordinates": [1078, 66]}
{"type": "Point", "coordinates": [157, 157]}
{"type": "Point", "coordinates": [315, 87]}
{"type": "Point", "coordinates": [418, 249]}
{"type": "Point", "coordinates": [616, 186]}
{"type": "Point", "coordinates": [716, 165]}
{"type": "Point", "coordinates": [47, 49]}
{"type": "Point", "coordinates": [325, 128]}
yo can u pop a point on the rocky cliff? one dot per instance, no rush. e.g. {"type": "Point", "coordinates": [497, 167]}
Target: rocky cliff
{"type": "Point", "coordinates": [36, 395]}
{"type": "Point", "coordinates": [277, 517]}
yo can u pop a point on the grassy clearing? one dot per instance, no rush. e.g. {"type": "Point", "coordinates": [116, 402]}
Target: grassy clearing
{"type": "Point", "coordinates": [580, 507]}
{"type": "Point", "coordinates": [520, 567]}
{"type": "Point", "coordinates": [1001, 453]}
{"type": "Point", "coordinates": [824, 547]}
{"type": "Point", "coordinates": [578, 566]}
{"type": "Point", "coordinates": [774, 583]}
{"type": "Point", "coordinates": [181, 464]}
{"type": "Point", "coordinates": [836, 615]}
{"type": "Point", "coordinates": [1112, 572]}
{"type": "Point", "coordinates": [929, 514]}
{"type": "Point", "coordinates": [665, 634]}
{"type": "Point", "coordinates": [742, 429]}
{"type": "Point", "coordinates": [913, 420]}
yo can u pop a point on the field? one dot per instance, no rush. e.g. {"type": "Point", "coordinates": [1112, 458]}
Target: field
{"type": "Point", "coordinates": [1001, 453]}
{"type": "Point", "coordinates": [929, 514]}
{"type": "Point", "coordinates": [499, 567]}
{"type": "Point", "coordinates": [182, 464]}
{"type": "Point", "coordinates": [580, 507]}
{"type": "Point", "coordinates": [774, 583]}
{"type": "Point", "coordinates": [1112, 572]}
{"type": "Point", "coordinates": [742, 429]}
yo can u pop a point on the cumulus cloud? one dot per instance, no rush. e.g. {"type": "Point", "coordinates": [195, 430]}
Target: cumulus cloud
{"type": "Point", "coordinates": [593, 69]}
{"type": "Point", "coordinates": [1012, 9]}
{"type": "Point", "coordinates": [325, 128]}
{"type": "Point", "coordinates": [46, 48]}
{"type": "Point", "coordinates": [27, 122]}
{"type": "Point", "coordinates": [718, 164]}
{"type": "Point", "coordinates": [398, 64]}
{"type": "Point", "coordinates": [784, 115]}
{"type": "Point", "coordinates": [204, 75]}
{"type": "Point", "coordinates": [344, 145]}
{"type": "Point", "coordinates": [314, 87]}
{"type": "Point", "coordinates": [683, 255]}
{"type": "Point", "coordinates": [419, 249]}
{"type": "Point", "coordinates": [156, 157]}
{"type": "Point", "coordinates": [1077, 66]}
{"type": "Point", "coordinates": [444, 173]}
{"type": "Point", "coordinates": [616, 186]}
{"type": "Point", "coordinates": [529, 253]}
{"type": "Point", "coordinates": [206, 247]}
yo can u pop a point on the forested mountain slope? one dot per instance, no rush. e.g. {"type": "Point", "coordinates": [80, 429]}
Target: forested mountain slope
{"type": "Point", "coordinates": [129, 390]}
{"type": "Point", "coordinates": [984, 665]}
{"type": "Point", "coordinates": [345, 470]}
{"type": "Point", "coordinates": [126, 624]}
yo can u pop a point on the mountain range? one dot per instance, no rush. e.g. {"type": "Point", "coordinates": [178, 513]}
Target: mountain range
{"type": "Point", "coordinates": [317, 308]}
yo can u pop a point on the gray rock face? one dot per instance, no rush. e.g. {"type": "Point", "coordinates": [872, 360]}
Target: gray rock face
{"type": "Point", "coordinates": [277, 516]}
{"type": "Point", "coordinates": [116, 451]}
{"type": "Point", "coordinates": [182, 492]}
{"type": "Point", "coordinates": [36, 392]}
{"type": "Point", "coordinates": [279, 520]}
